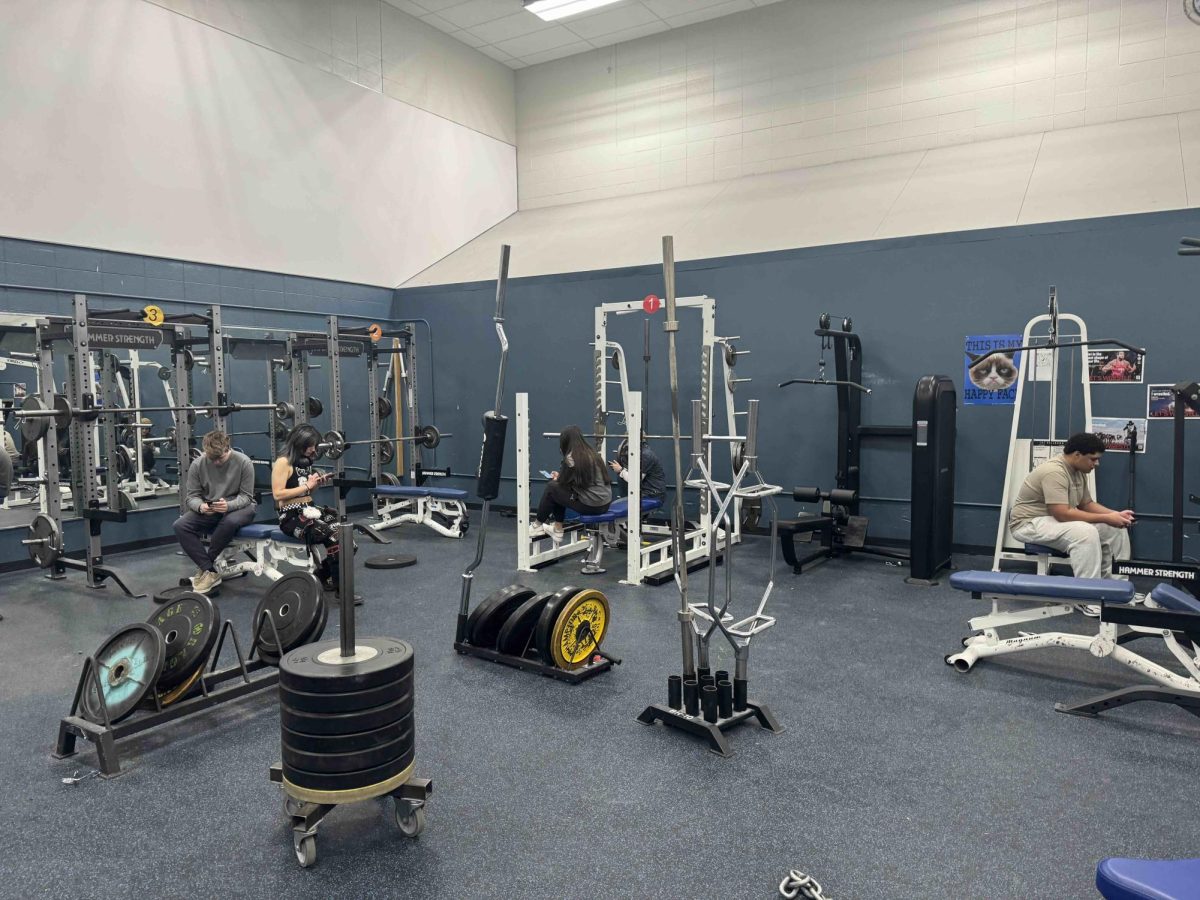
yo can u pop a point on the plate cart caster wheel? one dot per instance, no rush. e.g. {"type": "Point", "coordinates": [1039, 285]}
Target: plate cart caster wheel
{"type": "Point", "coordinates": [292, 806]}
{"type": "Point", "coordinates": [966, 641]}
{"type": "Point", "coordinates": [413, 823]}
{"type": "Point", "coordinates": [306, 851]}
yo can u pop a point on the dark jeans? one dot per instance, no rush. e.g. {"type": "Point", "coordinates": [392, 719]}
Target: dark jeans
{"type": "Point", "coordinates": [192, 526]}
{"type": "Point", "coordinates": [6, 472]}
{"type": "Point", "coordinates": [557, 499]}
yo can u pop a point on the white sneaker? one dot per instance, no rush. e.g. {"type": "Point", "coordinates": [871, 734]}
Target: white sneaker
{"type": "Point", "coordinates": [554, 531]}
{"type": "Point", "coordinates": [193, 577]}
{"type": "Point", "coordinates": [206, 582]}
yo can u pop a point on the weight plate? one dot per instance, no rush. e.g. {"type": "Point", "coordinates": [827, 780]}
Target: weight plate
{"type": "Point", "coordinates": [518, 627]}
{"type": "Point", "coordinates": [348, 781]}
{"type": "Point", "coordinates": [391, 561]}
{"type": "Point", "coordinates": [345, 723]}
{"type": "Point", "coordinates": [319, 668]}
{"type": "Point", "coordinates": [390, 478]}
{"type": "Point", "coordinates": [486, 619]}
{"type": "Point", "coordinates": [315, 407]}
{"type": "Point", "coordinates": [351, 795]}
{"type": "Point", "coordinates": [318, 628]}
{"type": "Point", "coordinates": [189, 628]}
{"type": "Point", "coordinates": [543, 632]}
{"type": "Point", "coordinates": [387, 453]}
{"type": "Point", "coordinates": [579, 629]}
{"type": "Point", "coordinates": [128, 664]}
{"type": "Point", "coordinates": [384, 405]}
{"type": "Point", "coordinates": [34, 428]}
{"type": "Point", "coordinates": [348, 701]}
{"type": "Point", "coordinates": [46, 541]}
{"type": "Point", "coordinates": [293, 602]}
{"type": "Point", "coordinates": [171, 594]}
{"type": "Point", "coordinates": [344, 743]}
{"type": "Point", "coordinates": [351, 761]}
{"type": "Point", "coordinates": [181, 690]}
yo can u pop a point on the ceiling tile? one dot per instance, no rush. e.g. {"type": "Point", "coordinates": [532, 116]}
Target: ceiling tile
{"type": "Point", "coordinates": [439, 23]}
{"type": "Point", "coordinates": [412, 9]}
{"type": "Point", "coordinates": [509, 27]}
{"type": "Point", "coordinates": [709, 12]}
{"type": "Point", "coordinates": [619, 18]}
{"type": "Point", "coordinates": [557, 53]}
{"type": "Point", "coordinates": [469, 39]}
{"type": "Point", "coordinates": [538, 41]}
{"type": "Point", "coordinates": [476, 12]}
{"type": "Point", "coordinates": [630, 34]}
{"type": "Point", "coordinates": [664, 9]}
{"type": "Point", "coordinates": [437, 5]}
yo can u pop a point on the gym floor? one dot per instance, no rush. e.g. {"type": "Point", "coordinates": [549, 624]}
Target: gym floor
{"type": "Point", "coordinates": [896, 777]}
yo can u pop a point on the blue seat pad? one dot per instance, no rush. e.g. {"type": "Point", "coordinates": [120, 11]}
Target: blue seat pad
{"type": "Point", "coordinates": [404, 490]}
{"type": "Point", "coordinates": [1057, 587]}
{"type": "Point", "coordinates": [617, 511]}
{"type": "Point", "coordinates": [1175, 598]}
{"type": "Point", "coordinates": [264, 532]}
{"type": "Point", "coordinates": [1043, 550]}
{"type": "Point", "coordinates": [1148, 879]}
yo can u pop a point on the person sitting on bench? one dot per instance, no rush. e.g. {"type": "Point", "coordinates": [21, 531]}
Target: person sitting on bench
{"type": "Point", "coordinates": [654, 477]}
{"type": "Point", "coordinates": [293, 481]}
{"type": "Point", "coordinates": [219, 500]}
{"type": "Point", "coordinates": [1055, 508]}
{"type": "Point", "coordinates": [582, 485]}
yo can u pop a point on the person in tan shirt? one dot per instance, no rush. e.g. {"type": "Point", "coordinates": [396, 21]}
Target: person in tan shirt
{"type": "Point", "coordinates": [1055, 507]}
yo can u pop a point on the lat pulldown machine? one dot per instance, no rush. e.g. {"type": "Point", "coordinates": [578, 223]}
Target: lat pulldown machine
{"type": "Point", "coordinates": [839, 527]}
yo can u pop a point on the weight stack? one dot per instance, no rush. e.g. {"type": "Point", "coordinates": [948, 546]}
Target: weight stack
{"type": "Point", "coordinates": [347, 723]}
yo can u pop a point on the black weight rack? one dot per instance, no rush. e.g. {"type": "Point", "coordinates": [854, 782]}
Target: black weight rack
{"type": "Point", "coordinates": [601, 662]}
{"type": "Point", "coordinates": [247, 676]}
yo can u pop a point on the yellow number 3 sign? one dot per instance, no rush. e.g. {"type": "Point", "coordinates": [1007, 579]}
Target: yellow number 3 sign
{"type": "Point", "coordinates": [153, 315]}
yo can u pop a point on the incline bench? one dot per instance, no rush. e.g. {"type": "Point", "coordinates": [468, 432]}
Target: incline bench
{"type": "Point", "coordinates": [618, 511]}
{"type": "Point", "coordinates": [442, 509]}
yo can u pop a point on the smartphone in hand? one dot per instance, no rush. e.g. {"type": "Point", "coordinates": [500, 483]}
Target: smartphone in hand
{"type": "Point", "coordinates": [546, 474]}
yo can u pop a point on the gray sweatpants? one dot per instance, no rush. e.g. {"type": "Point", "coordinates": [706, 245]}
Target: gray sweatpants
{"type": "Point", "coordinates": [192, 526]}
{"type": "Point", "coordinates": [1092, 548]}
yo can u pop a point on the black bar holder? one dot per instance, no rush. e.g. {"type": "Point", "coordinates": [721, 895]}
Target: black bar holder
{"type": "Point", "coordinates": [714, 722]}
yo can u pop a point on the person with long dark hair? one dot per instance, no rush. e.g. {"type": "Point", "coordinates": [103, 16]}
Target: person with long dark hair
{"type": "Point", "coordinates": [582, 484]}
{"type": "Point", "coordinates": [293, 482]}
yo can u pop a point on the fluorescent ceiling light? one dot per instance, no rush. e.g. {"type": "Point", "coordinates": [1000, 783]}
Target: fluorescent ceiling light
{"type": "Point", "coordinates": [549, 10]}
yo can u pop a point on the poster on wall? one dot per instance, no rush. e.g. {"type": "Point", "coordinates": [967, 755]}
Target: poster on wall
{"type": "Point", "coordinates": [1160, 403]}
{"type": "Point", "coordinates": [991, 381]}
{"type": "Point", "coordinates": [1115, 435]}
{"type": "Point", "coordinates": [18, 392]}
{"type": "Point", "coordinates": [1115, 367]}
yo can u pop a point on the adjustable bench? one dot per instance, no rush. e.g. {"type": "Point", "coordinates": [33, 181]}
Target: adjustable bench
{"type": "Point", "coordinates": [1148, 879]}
{"type": "Point", "coordinates": [1019, 599]}
{"type": "Point", "coordinates": [616, 512]}
{"type": "Point", "coordinates": [442, 509]}
{"type": "Point", "coordinates": [264, 546]}
{"type": "Point", "coordinates": [1044, 555]}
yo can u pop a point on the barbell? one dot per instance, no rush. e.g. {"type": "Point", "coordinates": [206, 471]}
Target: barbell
{"type": "Point", "coordinates": [286, 410]}
{"type": "Point", "coordinates": [36, 415]}
{"type": "Point", "coordinates": [334, 444]}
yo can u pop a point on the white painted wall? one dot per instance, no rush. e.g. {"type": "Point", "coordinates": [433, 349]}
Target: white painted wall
{"type": "Point", "coordinates": [376, 45]}
{"type": "Point", "coordinates": [808, 82]}
{"type": "Point", "coordinates": [128, 127]}
{"type": "Point", "coordinates": [1114, 168]}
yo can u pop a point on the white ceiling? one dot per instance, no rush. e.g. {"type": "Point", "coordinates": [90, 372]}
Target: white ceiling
{"type": "Point", "coordinates": [503, 30]}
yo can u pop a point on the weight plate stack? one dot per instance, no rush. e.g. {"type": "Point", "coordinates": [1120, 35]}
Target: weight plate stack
{"type": "Point", "coordinates": [298, 611]}
{"type": "Point", "coordinates": [128, 664]}
{"type": "Point", "coordinates": [189, 627]}
{"type": "Point", "coordinates": [517, 629]}
{"type": "Point", "coordinates": [347, 724]}
{"type": "Point", "coordinates": [486, 619]}
{"type": "Point", "coordinates": [543, 632]}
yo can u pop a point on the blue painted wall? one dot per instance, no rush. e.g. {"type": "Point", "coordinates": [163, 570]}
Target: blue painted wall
{"type": "Point", "coordinates": [247, 298]}
{"type": "Point", "coordinates": [912, 301]}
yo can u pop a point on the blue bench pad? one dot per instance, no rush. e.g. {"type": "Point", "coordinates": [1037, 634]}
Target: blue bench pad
{"type": "Point", "coordinates": [617, 511]}
{"type": "Point", "coordinates": [1175, 598]}
{"type": "Point", "coordinates": [264, 532]}
{"type": "Point", "coordinates": [1043, 550]}
{"type": "Point", "coordinates": [1148, 879]}
{"type": "Point", "coordinates": [403, 490]}
{"type": "Point", "coordinates": [1056, 587]}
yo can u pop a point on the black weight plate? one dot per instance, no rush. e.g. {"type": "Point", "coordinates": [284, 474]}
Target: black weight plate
{"type": "Point", "coordinates": [171, 594]}
{"type": "Point", "coordinates": [318, 628]}
{"type": "Point", "coordinates": [189, 627]}
{"type": "Point", "coordinates": [128, 664]}
{"type": "Point", "coordinates": [345, 781]}
{"type": "Point", "coordinates": [391, 561]}
{"type": "Point", "coordinates": [352, 761]}
{"type": "Point", "coordinates": [318, 668]}
{"type": "Point", "coordinates": [345, 723]}
{"type": "Point", "coordinates": [543, 633]}
{"type": "Point", "coordinates": [485, 620]}
{"type": "Point", "coordinates": [518, 627]}
{"type": "Point", "coordinates": [293, 602]}
{"type": "Point", "coordinates": [344, 743]}
{"type": "Point", "coordinates": [306, 701]}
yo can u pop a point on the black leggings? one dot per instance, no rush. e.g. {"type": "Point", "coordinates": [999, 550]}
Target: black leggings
{"type": "Point", "coordinates": [315, 532]}
{"type": "Point", "coordinates": [557, 499]}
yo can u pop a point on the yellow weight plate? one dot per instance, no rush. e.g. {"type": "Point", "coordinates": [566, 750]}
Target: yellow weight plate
{"type": "Point", "coordinates": [579, 629]}
{"type": "Point", "coordinates": [181, 690]}
{"type": "Point", "coordinates": [352, 795]}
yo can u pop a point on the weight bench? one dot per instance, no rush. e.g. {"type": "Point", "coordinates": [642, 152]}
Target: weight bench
{"type": "Point", "coordinates": [1043, 555]}
{"type": "Point", "coordinates": [264, 547]}
{"type": "Point", "coordinates": [1148, 879]}
{"type": "Point", "coordinates": [617, 511]}
{"type": "Point", "coordinates": [442, 509]}
{"type": "Point", "coordinates": [1019, 599]}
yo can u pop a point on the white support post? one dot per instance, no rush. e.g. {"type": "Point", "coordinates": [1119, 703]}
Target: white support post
{"type": "Point", "coordinates": [522, 424]}
{"type": "Point", "coordinates": [633, 542]}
